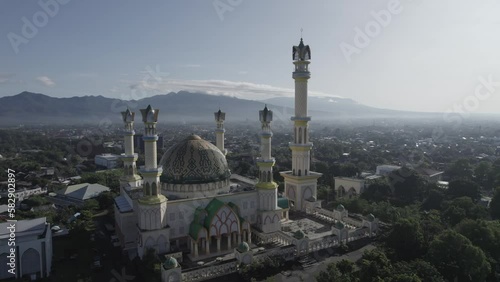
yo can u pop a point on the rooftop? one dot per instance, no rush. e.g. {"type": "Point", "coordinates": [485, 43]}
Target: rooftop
{"type": "Point", "coordinates": [83, 191]}
{"type": "Point", "coordinates": [24, 227]}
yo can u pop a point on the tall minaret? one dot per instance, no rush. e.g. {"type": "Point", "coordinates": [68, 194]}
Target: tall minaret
{"type": "Point", "coordinates": [130, 177]}
{"type": "Point", "coordinates": [301, 183]}
{"type": "Point", "coordinates": [269, 215]}
{"type": "Point", "coordinates": [220, 117]}
{"type": "Point", "coordinates": [152, 221]}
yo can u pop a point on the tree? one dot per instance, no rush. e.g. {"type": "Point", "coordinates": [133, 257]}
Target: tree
{"type": "Point", "coordinates": [374, 266]}
{"type": "Point", "coordinates": [341, 271]}
{"type": "Point", "coordinates": [433, 200]}
{"type": "Point", "coordinates": [423, 269]}
{"type": "Point", "coordinates": [483, 234]}
{"type": "Point", "coordinates": [460, 170]}
{"type": "Point", "coordinates": [461, 208]}
{"type": "Point", "coordinates": [495, 205]}
{"type": "Point", "coordinates": [406, 239]}
{"type": "Point", "coordinates": [377, 191]}
{"type": "Point", "coordinates": [461, 188]}
{"type": "Point", "coordinates": [105, 200]}
{"type": "Point", "coordinates": [482, 173]}
{"type": "Point", "coordinates": [91, 205]}
{"type": "Point", "coordinates": [349, 170]}
{"type": "Point", "coordinates": [407, 184]}
{"type": "Point", "coordinates": [456, 258]}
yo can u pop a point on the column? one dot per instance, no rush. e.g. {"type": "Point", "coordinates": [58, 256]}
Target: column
{"type": "Point", "coordinates": [229, 242]}
{"type": "Point", "coordinates": [196, 249]}
{"type": "Point", "coordinates": [207, 246]}
{"type": "Point", "coordinates": [249, 237]}
{"type": "Point", "coordinates": [239, 238]}
{"type": "Point", "coordinates": [218, 244]}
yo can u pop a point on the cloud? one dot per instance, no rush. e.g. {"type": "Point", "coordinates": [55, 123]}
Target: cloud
{"type": "Point", "coordinates": [239, 89]}
{"type": "Point", "coordinates": [45, 80]}
{"type": "Point", "coordinates": [242, 72]}
{"type": "Point", "coordinates": [6, 77]}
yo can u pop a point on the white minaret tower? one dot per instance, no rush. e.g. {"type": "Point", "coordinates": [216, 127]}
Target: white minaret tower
{"type": "Point", "coordinates": [130, 177]}
{"type": "Point", "coordinates": [220, 117]}
{"type": "Point", "coordinates": [152, 221]}
{"type": "Point", "coordinates": [301, 183]}
{"type": "Point", "coordinates": [269, 216]}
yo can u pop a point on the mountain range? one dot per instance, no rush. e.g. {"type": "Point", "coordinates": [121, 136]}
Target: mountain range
{"type": "Point", "coordinates": [35, 108]}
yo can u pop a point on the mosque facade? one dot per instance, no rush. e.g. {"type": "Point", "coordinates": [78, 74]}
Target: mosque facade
{"type": "Point", "coordinates": [195, 208]}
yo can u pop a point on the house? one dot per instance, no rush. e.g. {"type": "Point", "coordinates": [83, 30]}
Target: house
{"type": "Point", "coordinates": [80, 192]}
{"type": "Point", "coordinates": [32, 258]}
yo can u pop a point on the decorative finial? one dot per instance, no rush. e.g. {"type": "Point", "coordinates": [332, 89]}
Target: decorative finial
{"type": "Point", "coordinates": [301, 29]}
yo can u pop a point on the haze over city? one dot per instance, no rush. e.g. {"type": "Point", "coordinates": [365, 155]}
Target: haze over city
{"type": "Point", "coordinates": [405, 55]}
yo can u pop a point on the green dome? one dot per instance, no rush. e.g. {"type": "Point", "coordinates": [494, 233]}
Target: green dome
{"type": "Point", "coordinates": [339, 225]}
{"type": "Point", "coordinates": [194, 161]}
{"type": "Point", "coordinates": [299, 234]}
{"type": "Point", "coordinates": [170, 263]}
{"type": "Point", "coordinates": [371, 217]}
{"type": "Point", "coordinates": [243, 247]}
{"type": "Point", "coordinates": [340, 207]}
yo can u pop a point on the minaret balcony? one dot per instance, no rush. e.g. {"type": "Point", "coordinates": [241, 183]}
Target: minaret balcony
{"type": "Point", "coordinates": [300, 147]}
{"type": "Point", "coordinates": [300, 118]}
{"type": "Point", "coordinates": [263, 162]}
{"type": "Point", "coordinates": [301, 74]}
{"type": "Point", "coordinates": [132, 157]}
{"type": "Point", "coordinates": [150, 138]}
{"type": "Point", "coordinates": [158, 170]}
{"type": "Point", "coordinates": [266, 134]}
{"type": "Point", "coordinates": [220, 130]}
{"type": "Point", "coordinates": [127, 132]}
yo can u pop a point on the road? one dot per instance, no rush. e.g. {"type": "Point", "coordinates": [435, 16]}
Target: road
{"type": "Point", "coordinates": [309, 274]}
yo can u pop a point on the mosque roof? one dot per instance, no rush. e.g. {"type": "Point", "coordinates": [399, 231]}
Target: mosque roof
{"type": "Point", "coordinates": [194, 161]}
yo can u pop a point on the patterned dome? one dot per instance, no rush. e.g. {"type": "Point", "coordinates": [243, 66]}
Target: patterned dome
{"type": "Point", "coordinates": [243, 247]}
{"type": "Point", "coordinates": [194, 161]}
{"type": "Point", "coordinates": [170, 263]}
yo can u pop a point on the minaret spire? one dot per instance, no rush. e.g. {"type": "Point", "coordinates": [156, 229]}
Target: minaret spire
{"type": "Point", "coordinates": [152, 221]}
{"type": "Point", "coordinates": [301, 183]}
{"type": "Point", "coordinates": [220, 117]}
{"type": "Point", "coordinates": [129, 158]}
{"type": "Point", "coordinates": [267, 189]}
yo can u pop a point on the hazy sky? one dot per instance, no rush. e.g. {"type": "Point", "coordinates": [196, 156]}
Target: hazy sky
{"type": "Point", "coordinates": [428, 56]}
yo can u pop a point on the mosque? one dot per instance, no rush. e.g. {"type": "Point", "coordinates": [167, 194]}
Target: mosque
{"type": "Point", "coordinates": [195, 208]}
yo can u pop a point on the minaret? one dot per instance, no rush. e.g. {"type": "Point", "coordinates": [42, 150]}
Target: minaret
{"type": "Point", "coordinates": [130, 177]}
{"type": "Point", "coordinates": [152, 220]}
{"type": "Point", "coordinates": [301, 183]}
{"type": "Point", "coordinates": [219, 131]}
{"type": "Point", "coordinates": [267, 189]}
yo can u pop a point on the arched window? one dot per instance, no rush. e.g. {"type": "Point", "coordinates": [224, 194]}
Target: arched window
{"type": "Point", "coordinates": [269, 176]}
{"type": "Point", "coordinates": [305, 172]}
{"type": "Point", "coordinates": [305, 136]}
{"type": "Point", "coordinates": [300, 172]}
{"type": "Point", "coordinates": [155, 190]}
{"type": "Point", "coordinates": [295, 134]}
{"type": "Point", "coordinates": [148, 189]}
{"type": "Point", "coordinates": [300, 134]}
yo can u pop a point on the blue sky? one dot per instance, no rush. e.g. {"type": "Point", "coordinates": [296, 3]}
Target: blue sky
{"type": "Point", "coordinates": [427, 56]}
